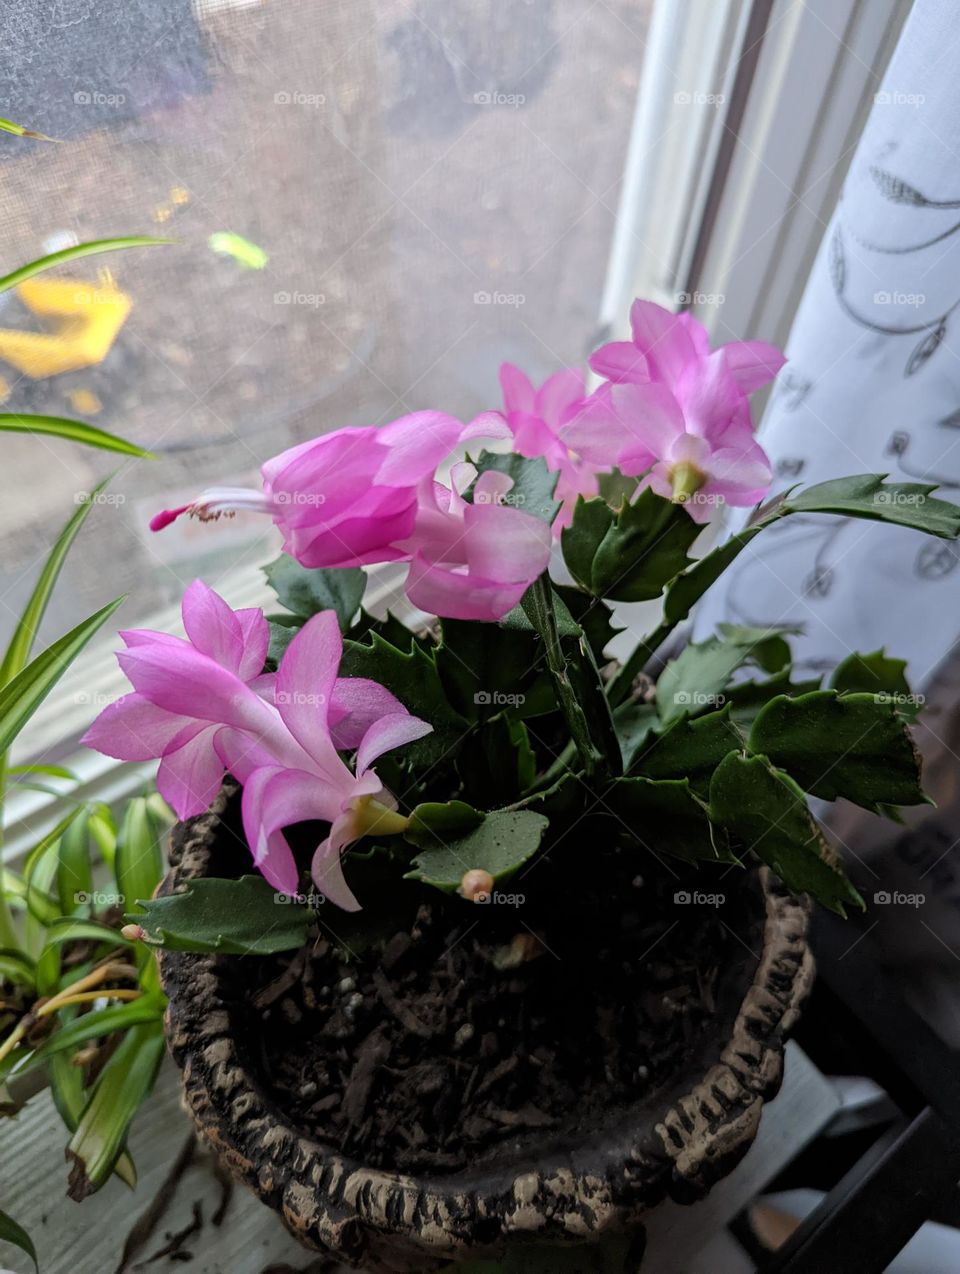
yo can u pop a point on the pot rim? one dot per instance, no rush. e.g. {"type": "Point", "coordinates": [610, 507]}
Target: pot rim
{"type": "Point", "coordinates": [679, 1140]}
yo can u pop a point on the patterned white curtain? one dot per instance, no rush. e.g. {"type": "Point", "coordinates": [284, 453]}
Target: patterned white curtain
{"type": "Point", "coordinates": [873, 383]}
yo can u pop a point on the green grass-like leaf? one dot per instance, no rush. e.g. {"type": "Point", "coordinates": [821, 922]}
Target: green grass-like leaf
{"type": "Point", "coordinates": [12, 1232]}
{"type": "Point", "coordinates": [65, 255]}
{"type": "Point", "coordinates": [72, 431]}
{"type": "Point", "coordinates": [124, 1083]}
{"type": "Point", "coordinates": [21, 697]}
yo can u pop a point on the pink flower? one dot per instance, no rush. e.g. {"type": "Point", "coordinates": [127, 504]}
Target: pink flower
{"type": "Point", "coordinates": [202, 706]}
{"type": "Point", "coordinates": [685, 409]}
{"type": "Point", "coordinates": [672, 349]}
{"type": "Point", "coordinates": [344, 499]}
{"type": "Point", "coordinates": [474, 560]}
{"type": "Point", "coordinates": [366, 495]}
{"type": "Point", "coordinates": [580, 437]}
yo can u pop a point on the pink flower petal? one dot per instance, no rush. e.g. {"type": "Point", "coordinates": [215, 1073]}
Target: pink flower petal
{"type": "Point", "coordinates": [327, 869]}
{"type": "Point", "coordinates": [454, 594]}
{"type": "Point", "coordinates": [557, 393]}
{"type": "Point", "coordinates": [133, 729]}
{"type": "Point", "coordinates": [663, 338]}
{"type": "Point", "coordinates": [416, 445]}
{"type": "Point", "coordinates": [489, 424]}
{"type": "Point", "coordinates": [356, 703]}
{"type": "Point", "coordinates": [190, 774]}
{"type": "Point", "coordinates": [305, 683]}
{"type": "Point", "coordinates": [388, 733]}
{"type": "Point", "coordinates": [518, 392]}
{"type": "Point", "coordinates": [277, 798]}
{"type": "Point", "coordinates": [651, 420]}
{"type": "Point", "coordinates": [505, 544]}
{"type": "Point", "coordinates": [183, 681]}
{"type": "Point", "coordinates": [752, 363]}
{"type": "Point", "coordinates": [620, 361]}
{"type": "Point", "coordinates": [212, 626]}
{"type": "Point", "coordinates": [255, 634]}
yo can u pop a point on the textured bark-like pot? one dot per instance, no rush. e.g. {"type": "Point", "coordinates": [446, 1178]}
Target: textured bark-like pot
{"type": "Point", "coordinates": [675, 1143]}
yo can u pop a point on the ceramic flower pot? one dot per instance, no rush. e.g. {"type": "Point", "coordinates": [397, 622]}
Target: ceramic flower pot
{"type": "Point", "coordinates": [546, 1188]}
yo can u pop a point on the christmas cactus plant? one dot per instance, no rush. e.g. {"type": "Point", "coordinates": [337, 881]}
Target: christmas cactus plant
{"type": "Point", "coordinates": [456, 753]}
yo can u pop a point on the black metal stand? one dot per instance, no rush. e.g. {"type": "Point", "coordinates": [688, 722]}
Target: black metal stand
{"type": "Point", "coordinates": [910, 1174]}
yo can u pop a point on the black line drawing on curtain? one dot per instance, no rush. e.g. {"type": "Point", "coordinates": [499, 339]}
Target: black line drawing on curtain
{"type": "Point", "coordinates": [896, 190]}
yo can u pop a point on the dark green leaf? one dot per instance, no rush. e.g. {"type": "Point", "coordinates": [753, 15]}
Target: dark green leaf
{"type": "Point", "coordinates": [644, 550]}
{"type": "Point", "coordinates": [634, 723]}
{"type": "Point", "coordinates": [306, 592]}
{"type": "Point", "coordinates": [592, 615]}
{"type": "Point", "coordinates": [578, 685]}
{"type": "Point", "coordinates": [854, 745]}
{"type": "Point", "coordinates": [629, 556]}
{"type": "Point", "coordinates": [747, 697]}
{"type": "Point", "coordinates": [869, 496]}
{"type": "Point", "coordinates": [877, 673]}
{"type": "Point", "coordinates": [696, 678]}
{"type": "Point", "coordinates": [666, 816]}
{"type": "Point", "coordinates": [501, 844]}
{"type": "Point", "coordinates": [412, 676]}
{"type": "Point", "coordinates": [283, 629]}
{"type": "Point", "coordinates": [11, 1232]}
{"type": "Point", "coordinates": [435, 822]}
{"type": "Point", "coordinates": [689, 748]}
{"type": "Point", "coordinates": [581, 540]}
{"type": "Point", "coordinates": [485, 668]}
{"type": "Point", "coordinates": [533, 483]}
{"type": "Point", "coordinates": [234, 917]}
{"type": "Point", "coordinates": [766, 813]}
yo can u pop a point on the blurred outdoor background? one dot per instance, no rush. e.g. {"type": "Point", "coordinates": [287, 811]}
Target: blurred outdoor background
{"type": "Point", "coordinates": [433, 182]}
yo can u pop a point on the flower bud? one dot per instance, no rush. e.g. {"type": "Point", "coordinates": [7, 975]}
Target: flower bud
{"type": "Point", "coordinates": [475, 884]}
{"type": "Point", "coordinates": [133, 933]}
